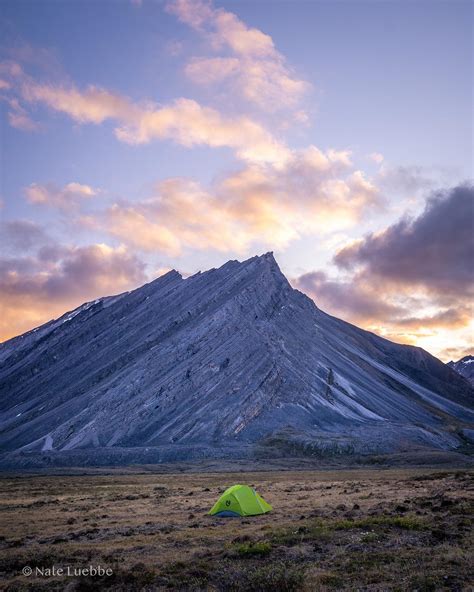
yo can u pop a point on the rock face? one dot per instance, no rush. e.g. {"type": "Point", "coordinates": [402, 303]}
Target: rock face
{"type": "Point", "coordinates": [464, 367]}
{"type": "Point", "coordinates": [230, 362]}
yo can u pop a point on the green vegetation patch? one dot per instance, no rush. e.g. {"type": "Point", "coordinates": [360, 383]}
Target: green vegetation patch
{"type": "Point", "coordinates": [253, 549]}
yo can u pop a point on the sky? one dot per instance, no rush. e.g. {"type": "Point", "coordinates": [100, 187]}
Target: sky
{"type": "Point", "coordinates": [139, 136]}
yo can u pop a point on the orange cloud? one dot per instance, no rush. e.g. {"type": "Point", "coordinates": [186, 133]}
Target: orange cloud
{"type": "Point", "coordinates": [35, 288]}
{"type": "Point", "coordinates": [455, 353]}
{"type": "Point", "coordinates": [451, 318]}
{"type": "Point", "coordinates": [264, 205]}
{"type": "Point", "coordinates": [142, 231]}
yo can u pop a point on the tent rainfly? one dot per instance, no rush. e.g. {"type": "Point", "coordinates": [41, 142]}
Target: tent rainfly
{"type": "Point", "coordinates": [240, 500]}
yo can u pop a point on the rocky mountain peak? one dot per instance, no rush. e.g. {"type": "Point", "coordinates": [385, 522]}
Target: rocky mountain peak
{"type": "Point", "coordinates": [225, 362]}
{"type": "Point", "coordinates": [266, 265]}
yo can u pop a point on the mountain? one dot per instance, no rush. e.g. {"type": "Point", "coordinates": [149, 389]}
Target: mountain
{"type": "Point", "coordinates": [464, 367]}
{"type": "Point", "coordinates": [232, 362]}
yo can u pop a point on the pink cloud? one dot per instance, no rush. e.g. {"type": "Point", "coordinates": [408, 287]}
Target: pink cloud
{"type": "Point", "coordinates": [61, 197]}
{"type": "Point", "coordinates": [184, 120]}
{"type": "Point", "coordinates": [255, 68]}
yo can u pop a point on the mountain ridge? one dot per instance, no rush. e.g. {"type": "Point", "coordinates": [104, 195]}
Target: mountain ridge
{"type": "Point", "coordinates": [465, 367]}
{"type": "Point", "coordinates": [221, 362]}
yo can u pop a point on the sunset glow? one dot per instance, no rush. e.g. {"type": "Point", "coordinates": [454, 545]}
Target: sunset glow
{"type": "Point", "coordinates": [146, 136]}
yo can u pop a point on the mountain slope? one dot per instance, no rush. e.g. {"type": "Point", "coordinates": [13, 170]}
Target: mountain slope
{"type": "Point", "coordinates": [464, 367]}
{"type": "Point", "coordinates": [222, 363]}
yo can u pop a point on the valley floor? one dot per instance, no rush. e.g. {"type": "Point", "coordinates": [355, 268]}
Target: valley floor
{"type": "Point", "coordinates": [395, 529]}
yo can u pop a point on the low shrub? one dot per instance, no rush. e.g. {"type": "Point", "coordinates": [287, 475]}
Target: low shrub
{"type": "Point", "coordinates": [253, 549]}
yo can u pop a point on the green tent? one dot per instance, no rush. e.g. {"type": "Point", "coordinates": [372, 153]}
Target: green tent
{"type": "Point", "coordinates": [240, 500]}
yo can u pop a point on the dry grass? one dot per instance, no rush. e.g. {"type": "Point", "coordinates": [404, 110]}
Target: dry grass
{"type": "Point", "coordinates": [329, 530]}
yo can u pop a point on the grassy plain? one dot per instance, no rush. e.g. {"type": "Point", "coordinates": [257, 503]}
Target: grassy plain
{"type": "Point", "coordinates": [395, 529]}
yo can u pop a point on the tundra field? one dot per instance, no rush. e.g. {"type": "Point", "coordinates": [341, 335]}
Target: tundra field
{"type": "Point", "coordinates": [395, 529]}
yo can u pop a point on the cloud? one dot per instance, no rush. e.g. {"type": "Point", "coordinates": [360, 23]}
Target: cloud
{"type": "Point", "coordinates": [406, 180]}
{"type": "Point", "coordinates": [354, 300]}
{"type": "Point", "coordinates": [263, 82]}
{"type": "Point", "coordinates": [42, 59]}
{"type": "Point", "coordinates": [22, 235]}
{"type": "Point", "coordinates": [11, 72]}
{"type": "Point", "coordinates": [184, 121]}
{"type": "Point", "coordinates": [434, 251]}
{"type": "Point", "coordinates": [180, 215]}
{"type": "Point", "coordinates": [455, 353]}
{"type": "Point", "coordinates": [253, 67]}
{"type": "Point", "coordinates": [377, 157]}
{"type": "Point", "coordinates": [61, 197]}
{"type": "Point", "coordinates": [58, 277]}
{"type": "Point", "coordinates": [141, 228]}
{"type": "Point", "coordinates": [188, 123]}
{"type": "Point", "coordinates": [193, 13]}
{"type": "Point", "coordinates": [211, 70]}
{"type": "Point", "coordinates": [20, 120]}
{"type": "Point", "coordinates": [365, 303]}
{"type": "Point", "coordinates": [396, 315]}
{"type": "Point", "coordinates": [451, 318]}
{"type": "Point", "coordinates": [92, 105]}
{"type": "Point", "coordinates": [18, 117]}
{"type": "Point", "coordinates": [97, 268]}
{"type": "Point", "coordinates": [264, 205]}
{"type": "Point", "coordinates": [413, 281]}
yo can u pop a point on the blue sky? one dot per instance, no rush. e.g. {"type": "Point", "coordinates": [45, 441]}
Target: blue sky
{"type": "Point", "coordinates": [368, 103]}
